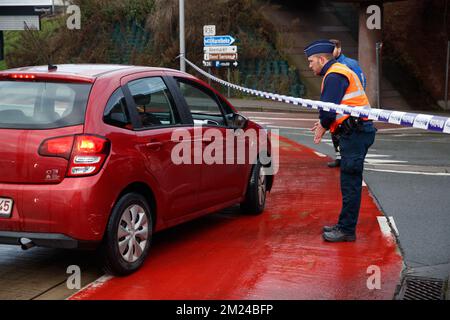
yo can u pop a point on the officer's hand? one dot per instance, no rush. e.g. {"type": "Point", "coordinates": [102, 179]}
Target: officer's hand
{"type": "Point", "coordinates": [315, 126]}
{"type": "Point", "coordinates": [319, 132]}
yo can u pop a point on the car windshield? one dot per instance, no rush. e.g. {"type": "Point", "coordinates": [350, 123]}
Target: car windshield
{"type": "Point", "coordinates": [42, 105]}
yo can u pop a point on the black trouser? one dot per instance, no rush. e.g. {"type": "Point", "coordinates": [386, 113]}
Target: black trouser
{"type": "Point", "coordinates": [354, 145]}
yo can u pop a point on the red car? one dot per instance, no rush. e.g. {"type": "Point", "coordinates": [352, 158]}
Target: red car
{"type": "Point", "coordinates": [86, 158]}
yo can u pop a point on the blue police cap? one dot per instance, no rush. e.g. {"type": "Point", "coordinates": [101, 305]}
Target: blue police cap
{"type": "Point", "coordinates": [319, 46]}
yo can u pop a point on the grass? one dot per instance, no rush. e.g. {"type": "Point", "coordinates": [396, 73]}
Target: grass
{"type": "Point", "coordinates": [15, 40]}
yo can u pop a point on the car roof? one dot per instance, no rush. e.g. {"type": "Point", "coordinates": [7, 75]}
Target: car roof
{"type": "Point", "coordinates": [85, 71]}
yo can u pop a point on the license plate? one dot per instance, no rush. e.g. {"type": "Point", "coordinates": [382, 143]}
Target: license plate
{"type": "Point", "coordinates": [6, 206]}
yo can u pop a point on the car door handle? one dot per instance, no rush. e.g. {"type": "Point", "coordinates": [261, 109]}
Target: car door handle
{"type": "Point", "coordinates": [154, 145]}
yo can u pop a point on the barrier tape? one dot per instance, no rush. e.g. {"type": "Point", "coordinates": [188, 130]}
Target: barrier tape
{"type": "Point", "coordinates": [406, 119]}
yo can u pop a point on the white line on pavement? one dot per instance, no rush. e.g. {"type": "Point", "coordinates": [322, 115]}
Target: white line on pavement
{"type": "Point", "coordinates": [411, 172]}
{"type": "Point", "coordinates": [264, 112]}
{"type": "Point", "coordinates": [377, 156]}
{"type": "Point", "coordinates": [384, 226]}
{"type": "Point", "coordinates": [320, 154]}
{"type": "Point", "coordinates": [294, 128]}
{"type": "Point", "coordinates": [387, 161]}
{"type": "Point", "coordinates": [94, 284]}
{"type": "Point", "coordinates": [394, 129]}
{"type": "Point", "coordinates": [394, 226]}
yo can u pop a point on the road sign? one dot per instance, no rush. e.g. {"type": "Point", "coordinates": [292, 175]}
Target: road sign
{"type": "Point", "coordinates": [228, 49]}
{"type": "Point", "coordinates": [220, 64]}
{"type": "Point", "coordinates": [221, 56]}
{"type": "Point", "coordinates": [211, 41]}
{"type": "Point", "coordinates": [209, 30]}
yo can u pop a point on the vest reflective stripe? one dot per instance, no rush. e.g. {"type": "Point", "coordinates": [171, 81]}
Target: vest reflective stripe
{"type": "Point", "coordinates": [354, 95]}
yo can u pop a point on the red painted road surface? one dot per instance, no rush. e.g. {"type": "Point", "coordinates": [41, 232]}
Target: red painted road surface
{"type": "Point", "coordinates": [277, 255]}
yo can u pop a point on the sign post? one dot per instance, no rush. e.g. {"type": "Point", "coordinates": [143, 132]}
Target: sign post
{"type": "Point", "coordinates": [218, 51]}
{"type": "Point", "coordinates": [2, 55]}
{"type": "Point", "coordinates": [182, 41]}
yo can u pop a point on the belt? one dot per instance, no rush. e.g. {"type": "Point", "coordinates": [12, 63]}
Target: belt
{"type": "Point", "coordinates": [352, 123]}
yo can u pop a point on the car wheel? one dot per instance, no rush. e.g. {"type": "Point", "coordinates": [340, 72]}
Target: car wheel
{"type": "Point", "coordinates": [255, 198]}
{"type": "Point", "coordinates": [128, 235]}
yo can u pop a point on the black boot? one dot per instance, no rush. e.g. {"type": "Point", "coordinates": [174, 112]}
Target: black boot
{"type": "Point", "coordinates": [334, 164]}
{"type": "Point", "coordinates": [337, 235]}
{"type": "Point", "coordinates": [329, 228]}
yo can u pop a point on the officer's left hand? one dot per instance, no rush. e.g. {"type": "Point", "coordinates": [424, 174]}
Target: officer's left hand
{"type": "Point", "coordinates": [319, 131]}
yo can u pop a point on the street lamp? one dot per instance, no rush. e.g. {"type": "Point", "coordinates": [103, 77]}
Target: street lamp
{"type": "Point", "coordinates": [182, 43]}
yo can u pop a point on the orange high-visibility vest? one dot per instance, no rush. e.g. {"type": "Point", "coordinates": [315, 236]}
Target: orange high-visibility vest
{"type": "Point", "coordinates": [354, 95]}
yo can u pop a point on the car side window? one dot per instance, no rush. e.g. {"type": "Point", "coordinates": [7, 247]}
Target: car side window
{"type": "Point", "coordinates": [203, 105]}
{"type": "Point", "coordinates": [154, 103]}
{"type": "Point", "coordinates": [116, 112]}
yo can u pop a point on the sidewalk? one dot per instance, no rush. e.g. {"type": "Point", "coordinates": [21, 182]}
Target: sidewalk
{"type": "Point", "coordinates": [277, 255]}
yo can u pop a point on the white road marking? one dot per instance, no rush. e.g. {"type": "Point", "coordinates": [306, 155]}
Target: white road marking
{"type": "Point", "coordinates": [411, 172]}
{"type": "Point", "coordinates": [320, 154]}
{"type": "Point", "coordinates": [384, 226]}
{"type": "Point", "coordinates": [394, 226]}
{"type": "Point", "coordinates": [394, 129]}
{"type": "Point", "coordinates": [381, 161]}
{"type": "Point", "coordinates": [294, 128]}
{"type": "Point", "coordinates": [260, 112]}
{"type": "Point", "coordinates": [95, 284]}
{"type": "Point", "coordinates": [377, 156]}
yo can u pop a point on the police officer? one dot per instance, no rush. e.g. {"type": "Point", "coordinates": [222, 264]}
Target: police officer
{"type": "Point", "coordinates": [341, 85]}
{"type": "Point", "coordinates": [354, 66]}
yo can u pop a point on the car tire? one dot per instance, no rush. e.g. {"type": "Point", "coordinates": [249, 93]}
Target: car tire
{"type": "Point", "coordinates": [255, 197]}
{"type": "Point", "coordinates": [128, 235]}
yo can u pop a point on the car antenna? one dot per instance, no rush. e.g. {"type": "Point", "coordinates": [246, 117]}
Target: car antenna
{"type": "Point", "coordinates": [51, 66]}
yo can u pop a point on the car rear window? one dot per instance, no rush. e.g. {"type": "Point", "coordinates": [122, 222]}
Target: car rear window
{"type": "Point", "coordinates": [42, 105]}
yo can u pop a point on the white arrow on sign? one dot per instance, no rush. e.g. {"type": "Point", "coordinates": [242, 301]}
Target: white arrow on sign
{"type": "Point", "coordinates": [215, 41]}
{"type": "Point", "coordinates": [229, 49]}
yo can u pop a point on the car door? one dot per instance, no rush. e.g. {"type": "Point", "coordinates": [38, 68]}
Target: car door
{"type": "Point", "coordinates": [158, 116]}
{"type": "Point", "coordinates": [221, 182]}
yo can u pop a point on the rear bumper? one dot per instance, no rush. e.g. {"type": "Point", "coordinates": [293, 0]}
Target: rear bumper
{"type": "Point", "coordinates": [77, 208]}
{"type": "Point", "coordinates": [49, 240]}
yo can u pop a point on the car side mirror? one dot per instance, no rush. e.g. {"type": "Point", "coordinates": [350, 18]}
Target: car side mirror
{"type": "Point", "coordinates": [238, 121]}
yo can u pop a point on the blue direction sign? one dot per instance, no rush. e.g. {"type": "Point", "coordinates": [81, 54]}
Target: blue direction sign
{"type": "Point", "coordinates": [218, 41]}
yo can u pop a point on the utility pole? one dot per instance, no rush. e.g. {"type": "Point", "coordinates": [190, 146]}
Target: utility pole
{"type": "Point", "coordinates": [182, 43]}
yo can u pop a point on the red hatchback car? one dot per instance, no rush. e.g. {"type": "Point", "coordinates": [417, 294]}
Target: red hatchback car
{"type": "Point", "coordinates": [86, 158]}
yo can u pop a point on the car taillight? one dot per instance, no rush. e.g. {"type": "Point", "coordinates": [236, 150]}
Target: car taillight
{"type": "Point", "coordinates": [57, 147]}
{"type": "Point", "coordinates": [86, 153]}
